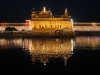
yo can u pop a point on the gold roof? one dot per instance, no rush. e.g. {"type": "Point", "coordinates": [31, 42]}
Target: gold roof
{"type": "Point", "coordinates": [48, 14]}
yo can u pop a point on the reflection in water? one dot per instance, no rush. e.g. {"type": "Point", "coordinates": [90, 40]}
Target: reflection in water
{"type": "Point", "coordinates": [87, 42]}
{"type": "Point", "coordinates": [45, 49]}
{"type": "Point", "coordinates": [41, 49]}
{"type": "Point", "coordinates": [17, 53]}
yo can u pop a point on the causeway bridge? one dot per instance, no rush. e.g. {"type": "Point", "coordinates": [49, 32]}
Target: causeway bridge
{"type": "Point", "coordinates": [86, 26]}
{"type": "Point", "coordinates": [82, 28]}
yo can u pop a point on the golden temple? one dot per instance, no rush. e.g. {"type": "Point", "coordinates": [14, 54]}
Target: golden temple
{"type": "Point", "coordinates": [42, 23]}
{"type": "Point", "coordinates": [45, 20]}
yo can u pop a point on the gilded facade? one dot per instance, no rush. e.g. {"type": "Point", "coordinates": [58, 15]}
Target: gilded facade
{"type": "Point", "coordinates": [44, 20]}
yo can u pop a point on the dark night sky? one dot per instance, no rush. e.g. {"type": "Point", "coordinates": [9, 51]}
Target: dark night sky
{"type": "Point", "coordinates": [20, 10]}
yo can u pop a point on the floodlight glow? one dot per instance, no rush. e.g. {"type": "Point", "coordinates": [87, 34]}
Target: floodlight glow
{"type": "Point", "coordinates": [72, 20]}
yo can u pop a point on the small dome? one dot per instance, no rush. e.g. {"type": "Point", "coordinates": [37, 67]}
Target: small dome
{"type": "Point", "coordinates": [44, 11]}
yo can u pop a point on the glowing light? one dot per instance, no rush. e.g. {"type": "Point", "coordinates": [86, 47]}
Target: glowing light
{"type": "Point", "coordinates": [44, 9]}
{"type": "Point", "coordinates": [72, 20]}
{"type": "Point", "coordinates": [66, 10]}
{"type": "Point", "coordinates": [72, 43]}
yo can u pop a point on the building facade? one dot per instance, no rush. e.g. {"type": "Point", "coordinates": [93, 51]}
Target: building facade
{"type": "Point", "coordinates": [44, 20]}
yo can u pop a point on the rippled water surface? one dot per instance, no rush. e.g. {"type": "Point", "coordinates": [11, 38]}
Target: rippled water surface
{"type": "Point", "coordinates": [70, 55]}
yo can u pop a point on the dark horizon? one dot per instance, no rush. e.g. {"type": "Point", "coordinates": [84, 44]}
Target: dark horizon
{"type": "Point", "coordinates": [19, 11]}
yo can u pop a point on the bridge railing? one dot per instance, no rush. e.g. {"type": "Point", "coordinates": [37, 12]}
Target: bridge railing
{"type": "Point", "coordinates": [12, 24]}
{"type": "Point", "coordinates": [85, 24]}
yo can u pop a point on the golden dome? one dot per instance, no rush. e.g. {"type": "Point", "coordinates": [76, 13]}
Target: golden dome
{"type": "Point", "coordinates": [45, 12]}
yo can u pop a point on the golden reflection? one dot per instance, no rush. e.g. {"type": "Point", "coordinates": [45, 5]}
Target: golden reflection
{"type": "Point", "coordinates": [42, 49]}
{"type": "Point", "coordinates": [87, 41]}
{"type": "Point", "coordinates": [45, 48]}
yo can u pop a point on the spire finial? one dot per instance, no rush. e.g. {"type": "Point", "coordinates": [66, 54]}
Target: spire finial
{"type": "Point", "coordinates": [66, 10]}
{"type": "Point", "coordinates": [44, 9]}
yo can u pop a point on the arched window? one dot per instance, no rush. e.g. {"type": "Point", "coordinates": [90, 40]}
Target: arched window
{"type": "Point", "coordinates": [40, 26]}
{"type": "Point", "coordinates": [60, 26]}
{"type": "Point", "coordinates": [51, 26]}
{"type": "Point", "coordinates": [43, 26]}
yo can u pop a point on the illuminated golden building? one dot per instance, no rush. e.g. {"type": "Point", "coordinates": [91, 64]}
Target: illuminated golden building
{"type": "Point", "coordinates": [42, 23]}
{"type": "Point", "coordinates": [44, 20]}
